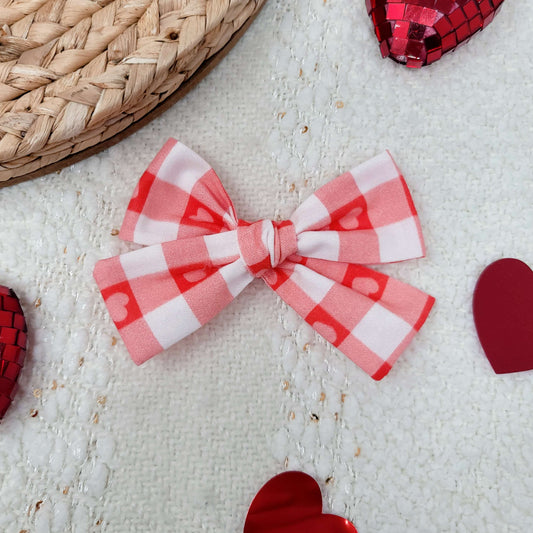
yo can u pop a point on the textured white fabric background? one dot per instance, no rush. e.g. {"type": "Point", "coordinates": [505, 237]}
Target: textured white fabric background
{"type": "Point", "coordinates": [95, 444]}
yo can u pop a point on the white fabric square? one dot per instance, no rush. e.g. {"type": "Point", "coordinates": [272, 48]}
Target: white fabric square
{"type": "Point", "coordinates": [311, 212]}
{"type": "Point", "coordinates": [313, 284]}
{"type": "Point", "coordinates": [230, 219]}
{"type": "Point", "coordinates": [148, 260]}
{"type": "Point", "coordinates": [150, 231]}
{"type": "Point", "coordinates": [236, 276]}
{"type": "Point", "coordinates": [172, 321]}
{"type": "Point", "coordinates": [374, 172]}
{"type": "Point", "coordinates": [221, 245]}
{"type": "Point", "coordinates": [381, 330]}
{"type": "Point", "coordinates": [319, 244]}
{"type": "Point", "coordinates": [183, 167]}
{"type": "Point", "coordinates": [399, 241]}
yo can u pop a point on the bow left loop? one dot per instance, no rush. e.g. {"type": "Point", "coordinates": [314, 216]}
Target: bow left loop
{"type": "Point", "coordinates": [191, 268]}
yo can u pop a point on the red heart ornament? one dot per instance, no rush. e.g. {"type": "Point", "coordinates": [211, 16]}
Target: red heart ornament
{"type": "Point", "coordinates": [418, 32]}
{"type": "Point", "coordinates": [292, 503]}
{"type": "Point", "coordinates": [12, 346]}
{"type": "Point", "coordinates": [503, 314]}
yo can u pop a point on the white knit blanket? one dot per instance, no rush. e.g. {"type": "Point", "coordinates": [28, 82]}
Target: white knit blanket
{"type": "Point", "coordinates": [94, 443]}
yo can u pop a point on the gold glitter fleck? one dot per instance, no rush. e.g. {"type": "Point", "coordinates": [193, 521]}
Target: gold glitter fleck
{"type": "Point", "coordinates": [306, 347]}
{"type": "Point", "coordinates": [34, 413]}
{"type": "Point", "coordinates": [292, 187]}
{"type": "Point", "coordinates": [285, 385]}
{"type": "Point", "coordinates": [114, 232]}
{"type": "Point", "coordinates": [292, 415]}
{"type": "Point", "coordinates": [81, 361]}
{"type": "Point", "coordinates": [38, 505]}
{"type": "Point", "coordinates": [336, 417]}
{"type": "Point", "coordinates": [37, 303]}
{"type": "Point", "coordinates": [282, 114]}
{"type": "Point", "coordinates": [305, 129]}
{"type": "Point", "coordinates": [301, 73]}
{"type": "Point", "coordinates": [65, 490]}
{"type": "Point", "coordinates": [343, 397]}
{"type": "Point", "coordinates": [329, 480]}
{"type": "Point", "coordinates": [54, 385]}
{"type": "Point", "coordinates": [357, 452]}
{"type": "Point", "coordinates": [37, 393]}
{"type": "Point", "coordinates": [95, 418]}
{"type": "Point", "coordinates": [286, 462]}
{"type": "Point", "coordinates": [339, 104]}
{"type": "Point", "coordinates": [114, 341]}
{"type": "Point", "coordinates": [322, 396]}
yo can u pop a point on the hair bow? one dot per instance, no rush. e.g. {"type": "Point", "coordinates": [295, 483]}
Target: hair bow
{"type": "Point", "coordinates": [199, 256]}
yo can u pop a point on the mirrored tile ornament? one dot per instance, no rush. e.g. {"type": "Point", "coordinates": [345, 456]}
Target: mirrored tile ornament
{"type": "Point", "coordinates": [418, 32]}
{"type": "Point", "coordinates": [12, 346]}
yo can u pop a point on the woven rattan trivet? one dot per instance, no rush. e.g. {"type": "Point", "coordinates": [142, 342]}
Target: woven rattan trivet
{"type": "Point", "coordinates": [76, 76]}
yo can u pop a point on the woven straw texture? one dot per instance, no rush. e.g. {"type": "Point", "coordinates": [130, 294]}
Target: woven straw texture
{"type": "Point", "coordinates": [74, 73]}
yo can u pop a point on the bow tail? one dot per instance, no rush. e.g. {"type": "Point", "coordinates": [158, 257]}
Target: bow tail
{"type": "Point", "coordinates": [367, 315]}
{"type": "Point", "coordinates": [154, 305]}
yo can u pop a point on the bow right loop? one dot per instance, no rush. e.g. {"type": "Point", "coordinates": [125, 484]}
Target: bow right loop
{"type": "Point", "coordinates": [365, 216]}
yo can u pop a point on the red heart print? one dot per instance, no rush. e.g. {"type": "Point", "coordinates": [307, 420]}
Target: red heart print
{"type": "Point", "coordinates": [12, 346]}
{"type": "Point", "coordinates": [418, 32]}
{"type": "Point", "coordinates": [292, 503]}
{"type": "Point", "coordinates": [503, 314]}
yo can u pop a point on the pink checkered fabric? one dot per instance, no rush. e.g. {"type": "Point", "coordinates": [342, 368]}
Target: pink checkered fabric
{"type": "Point", "coordinates": [198, 256]}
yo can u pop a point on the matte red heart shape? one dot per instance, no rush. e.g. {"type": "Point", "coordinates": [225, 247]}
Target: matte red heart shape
{"type": "Point", "coordinates": [418, 32]}
{"type": "Point", "coordinates": [292, 503]}
{"type": "Point", "coordinates": [503, 314]}
{"type": "Point", "coordinates": [12, 346]}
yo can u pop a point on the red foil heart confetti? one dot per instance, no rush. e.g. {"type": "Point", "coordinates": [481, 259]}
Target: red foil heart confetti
{"type": "Point", "coordinates": [419, 32]}
{"type": "Point", "coordinates": [503, 314]}
{"type": "Point", "coordinates": [292, 503]}
{"type": "Point", "coordinates": [12, 346]}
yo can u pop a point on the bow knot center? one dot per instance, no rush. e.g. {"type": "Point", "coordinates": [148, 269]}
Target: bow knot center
{"type": "Point", "coordinates": [266, 244]}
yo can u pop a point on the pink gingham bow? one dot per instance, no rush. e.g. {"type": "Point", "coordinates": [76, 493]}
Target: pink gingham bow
{"type": "Point", "coordinates": [199, 256]}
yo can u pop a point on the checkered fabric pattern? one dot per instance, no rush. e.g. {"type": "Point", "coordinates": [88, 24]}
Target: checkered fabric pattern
{"type": "Point", "coordinates": [198, 256]}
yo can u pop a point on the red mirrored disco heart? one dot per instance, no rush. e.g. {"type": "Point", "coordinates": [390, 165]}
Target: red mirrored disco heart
{"type": "Point", "coordinates": [12, 346]}
{"type": "Point", "coordinates": [418, 32]}
{"type": "Point", "coordinates": [292, 503]}
{"type": "Point", "coordinates": [503, 314]}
